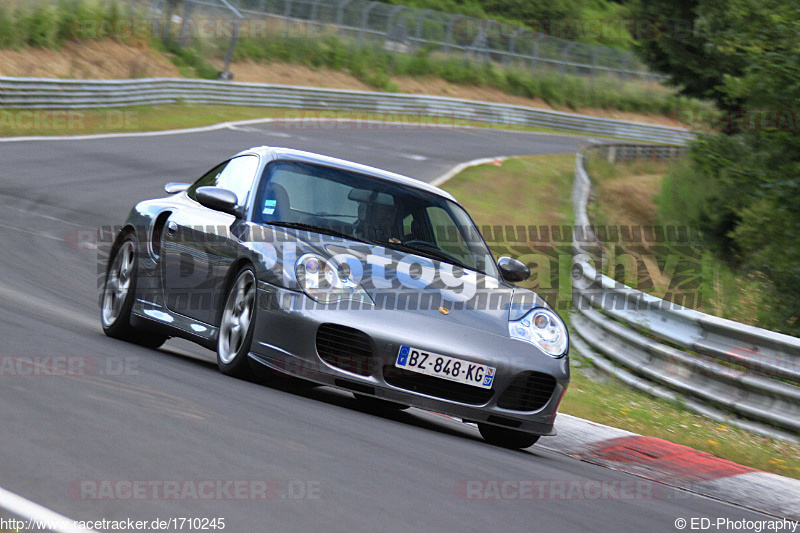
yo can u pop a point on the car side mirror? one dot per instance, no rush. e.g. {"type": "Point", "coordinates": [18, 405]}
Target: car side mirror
{"type": "Point", "coordinates": [219, 199]}
{"type": "Point", "coordinates": [513, 270]}
{"type": "Point", "coordinates": [174, 187]}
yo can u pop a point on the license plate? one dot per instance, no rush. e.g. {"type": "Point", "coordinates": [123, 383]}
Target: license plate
{"type": "Point", "coordinates": [445, 367]}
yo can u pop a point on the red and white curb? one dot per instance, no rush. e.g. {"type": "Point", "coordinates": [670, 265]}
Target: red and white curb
{"type": "Point", "coordinates": [670, 464]}
{"type": "Point", "coordinates": [676, 465]}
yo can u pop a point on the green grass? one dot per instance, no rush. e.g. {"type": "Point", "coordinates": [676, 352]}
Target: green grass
{"type": "Point", "coordinates": [604, 399]}
{"type": "Point", "coordinates": [531, 193]}
{"type": "Point", "coordinates": [16, 122]}
{"type": "Point", "coordinates": [536, 190]}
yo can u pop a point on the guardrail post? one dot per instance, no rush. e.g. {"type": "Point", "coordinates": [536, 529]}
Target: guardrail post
{"type": "Point", "coordinates": [168, 19]}
{"type": "Point", "coordinates": [226, 73]}
{"type": "Point", "coordinates": [420, 19]}
{"type": "Point", "coordinates": [287, 13]}
{"type": "Point", "coordinates": [394, 11]}
{"type": "Point", "coordinates": [186, 22]}
{"type": "Point", "coordinates": [449, 32]}
{"type": "Point", "coordinates": [314, 11]}
{"type": "Point", "coordinates": [365, 21]}
{"type": "Point", "coordinates": [623, 74]}
{"type": "Point", "coordinates": [565, 57]}
{"type": "Point", "coordinates": [512, 43]}
{"type": "Point", "coordinates": [535, 56]}
{"type": "Point", "coordinates": [340, 12]}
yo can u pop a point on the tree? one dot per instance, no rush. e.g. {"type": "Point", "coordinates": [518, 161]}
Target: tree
{"type": "Point", "coordinates": [682, 47]}
{"type": "Point", "coordinates": [750, 178]}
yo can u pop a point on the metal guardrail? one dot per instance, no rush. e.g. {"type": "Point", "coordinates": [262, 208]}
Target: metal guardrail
{"type": "Point", "coordinates": [407, 29]}
{"type": "Point", "coordinates": [746, 376]}
{"type": "Point", "coordinates": [26, 93]}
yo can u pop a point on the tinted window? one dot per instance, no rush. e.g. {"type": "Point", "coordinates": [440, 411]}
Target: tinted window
{"type": "Point", "coordinates": [370, 209]}
{"type": "Point", "coordinates": [236, 175]}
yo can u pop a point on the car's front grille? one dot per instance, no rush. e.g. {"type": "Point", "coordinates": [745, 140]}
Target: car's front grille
{"type": "Point", "coordinates": [345, 348]}
{"type": "Point", "coordinates": [431, 386]}
{"type": "Point", "coordinates": [528, 391]}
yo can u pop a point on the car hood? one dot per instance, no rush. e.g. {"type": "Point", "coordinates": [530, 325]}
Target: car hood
{"type": "Point", "coordinates": [399, 281]}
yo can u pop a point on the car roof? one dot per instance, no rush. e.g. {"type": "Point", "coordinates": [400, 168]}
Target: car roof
{"type": "Point", "coordinates": [272, 153]}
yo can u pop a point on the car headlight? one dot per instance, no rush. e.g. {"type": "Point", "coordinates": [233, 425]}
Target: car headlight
{"type": "Point", "coordinates": [542, 328]}
{"type": "Point", "coordinates": [325, 282]}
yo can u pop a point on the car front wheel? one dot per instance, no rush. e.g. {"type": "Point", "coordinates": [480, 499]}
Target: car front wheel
{"type": "Point", "coordinates": [237, 325]}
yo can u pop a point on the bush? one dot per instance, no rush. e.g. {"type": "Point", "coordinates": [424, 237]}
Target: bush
{"type": "Point", "coordinates": [8, 37]}
{"type": "Point", "coordinates": [733, 188]}
{"type": "Point", "coordinates": [39, 27]}
{"type": "Point", "coordinates": [49, 26]}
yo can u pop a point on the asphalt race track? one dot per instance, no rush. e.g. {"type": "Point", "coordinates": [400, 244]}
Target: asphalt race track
{"type": "Point", "coordinates": [154, 416]}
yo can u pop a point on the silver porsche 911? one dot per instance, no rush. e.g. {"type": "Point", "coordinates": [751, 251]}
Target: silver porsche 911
{"type": "Point", "coordinates": [343, 275]}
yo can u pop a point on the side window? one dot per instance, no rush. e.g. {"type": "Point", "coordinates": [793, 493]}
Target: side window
{"type": "Point", "coordinates": [291, 195]}
{"type": "Point", "coordinates": [209, 179]}
{"type": "Point", "coordinates": [236, 175]}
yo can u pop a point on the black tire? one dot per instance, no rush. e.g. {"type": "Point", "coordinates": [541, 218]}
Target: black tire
{"type": "Point", "coordinates": [506, 437]}
{"type": "Point", "coordinates": [237, 324]}
{"type": "Point", "coordinates": [119, 292]}
{"type": "Point", "coordinates": [370, 403]}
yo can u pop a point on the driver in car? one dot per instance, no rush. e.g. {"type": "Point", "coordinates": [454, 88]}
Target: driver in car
{"type": "Point", "coordinates": [379, 222]}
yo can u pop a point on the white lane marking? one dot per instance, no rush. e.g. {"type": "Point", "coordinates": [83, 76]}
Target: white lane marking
{"type": "Point", "coordinates": [201, 129]}
{"type": "Point", "coordinates": [48, 217]}
{"type": "Point", "coordinates": [29, 510]}
{"type": "Point", "coordinates": [235, 124]}
{"type": "Point", "coordinates": [259, 130]}
{"type": "Point", "coordinates": [415, 157]}
{"type": "Point", "coordinates": [437, 182]}
{"type": "Point", "coordinates": [31, 232]}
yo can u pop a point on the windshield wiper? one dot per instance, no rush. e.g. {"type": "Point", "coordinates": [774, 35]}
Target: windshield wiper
{"type": "Point", "coordinates": [316, 229]}
{"type": "Point", "coordinates": [430, 254]}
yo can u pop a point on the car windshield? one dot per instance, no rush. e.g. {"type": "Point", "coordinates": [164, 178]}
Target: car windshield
{"type": "Point", "coordinates": [361, 207]}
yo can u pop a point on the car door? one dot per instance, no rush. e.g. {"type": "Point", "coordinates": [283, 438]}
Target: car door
{"type": "Point", "coordinates": [196, 239]}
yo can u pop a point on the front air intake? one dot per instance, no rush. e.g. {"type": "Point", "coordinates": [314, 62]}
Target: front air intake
{"type": "Point", "coordinates": [528, 391]}
{"type": "Point", "coordinates": [346, 348]}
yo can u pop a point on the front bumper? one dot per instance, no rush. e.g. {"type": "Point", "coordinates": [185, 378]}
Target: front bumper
{"type": "Point", "coordinates": [285, 339]}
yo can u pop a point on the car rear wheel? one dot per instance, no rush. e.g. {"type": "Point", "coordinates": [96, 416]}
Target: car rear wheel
{"type": "Point", "coordinates": [237, 325]}
{"type": "Point", "coordinates": [506, 437]}
{"type": "Point", "coordinates": [119, 291]}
